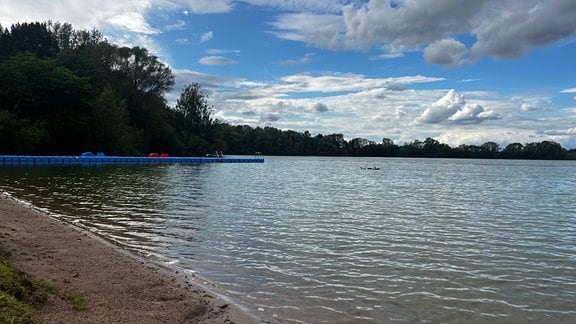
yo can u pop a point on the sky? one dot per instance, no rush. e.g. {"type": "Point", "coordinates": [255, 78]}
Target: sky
{"type": "Point", "coordinates": [458, 71]}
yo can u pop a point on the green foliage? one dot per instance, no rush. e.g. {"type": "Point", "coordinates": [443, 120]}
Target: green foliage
{"type": "Point", "coordinates": [193, 108]}
{"type": "Point", "coordinates": [16, 284]}
{"type": "Point", "coordinates": [18, 293]}
{"type": "Point", "coordinates": [14, 311]}
{"type": "Point", "coordinates": [11, 282]}
{"type": "Point", "coordinates": [44, 101]}
{"type": "Point", "coordinates": [76, 301]}
{"type": "Point", "coordinates": [142, 71]}
{"type": "Point", "coordinates": [20, 135]}
{"type": "Point", "coordinates": [110, 123]}
{"type": "Point", "coordinates": [64, 91]}
{"type": "Point", "coordinates": [34, 38]}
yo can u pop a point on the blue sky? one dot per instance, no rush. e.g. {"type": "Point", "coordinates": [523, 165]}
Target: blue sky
{"type": "Point", "coordinates": [459, 71]}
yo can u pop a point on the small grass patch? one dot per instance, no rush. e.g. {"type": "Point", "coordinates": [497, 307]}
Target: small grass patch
{"type": "Point", "coordinates": [14, 311]}
{"type": "Point", "coordinates": [76, 301]}
{"type": "Point", "coordinates": [19, 293]}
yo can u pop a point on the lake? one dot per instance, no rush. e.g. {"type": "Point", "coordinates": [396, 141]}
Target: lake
{"type": "Point", "coordinates": [342, 240]}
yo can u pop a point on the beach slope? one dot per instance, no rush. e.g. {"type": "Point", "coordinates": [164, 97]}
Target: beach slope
{"type": "Point", "coordinates": [117, 286]}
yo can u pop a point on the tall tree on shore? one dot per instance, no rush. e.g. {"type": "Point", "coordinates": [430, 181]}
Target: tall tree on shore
{"type": "Point", "coordinates": [193, 119]}
{"type": "Point", "coordinates": [193, 106]}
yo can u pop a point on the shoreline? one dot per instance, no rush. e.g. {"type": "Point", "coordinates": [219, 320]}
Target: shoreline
{"type": "Point", "coordinates": [118, 286]}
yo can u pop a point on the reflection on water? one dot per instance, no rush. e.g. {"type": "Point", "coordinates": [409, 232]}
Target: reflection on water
{"type": "Point", "coordinates": [324, 240]}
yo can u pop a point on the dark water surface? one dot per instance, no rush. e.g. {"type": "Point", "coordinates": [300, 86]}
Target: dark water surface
{"type": "Point", "coordinates": [326, 240]}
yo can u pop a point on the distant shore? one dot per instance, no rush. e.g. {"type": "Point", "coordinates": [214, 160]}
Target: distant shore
{"type": "Point", "coordinates": [118, 287]}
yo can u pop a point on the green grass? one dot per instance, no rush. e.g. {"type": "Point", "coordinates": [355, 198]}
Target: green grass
{"type": "Point", "coordinates": [76, 301]}
{"type": "Point", "coordinates": [19, 294]}
{"type": "Point", "coordinates": [15, 311]}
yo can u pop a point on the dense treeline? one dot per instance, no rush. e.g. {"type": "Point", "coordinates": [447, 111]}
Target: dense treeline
{"type": "Point", "coordinates": [272, 141]}
{"type": "Point", "coordinates": [64, 91]}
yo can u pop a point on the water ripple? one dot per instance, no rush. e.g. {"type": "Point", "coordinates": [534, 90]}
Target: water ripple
{"type": "Point", "coordinates": [319, 240]}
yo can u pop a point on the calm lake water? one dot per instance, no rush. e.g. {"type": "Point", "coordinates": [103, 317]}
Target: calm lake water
{"type": "Point", "coordinates": [325, 240]}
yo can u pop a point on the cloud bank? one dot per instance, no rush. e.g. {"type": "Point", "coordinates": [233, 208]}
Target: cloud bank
{"type": "Point", "coordinates": [449, 32]}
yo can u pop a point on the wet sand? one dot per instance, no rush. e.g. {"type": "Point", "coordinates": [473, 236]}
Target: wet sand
{"type": "Point", "coordinates": [119, 287]}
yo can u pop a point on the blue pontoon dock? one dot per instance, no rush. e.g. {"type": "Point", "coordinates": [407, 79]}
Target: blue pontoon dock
{"type": "Point", "coordinates": [131, 160]}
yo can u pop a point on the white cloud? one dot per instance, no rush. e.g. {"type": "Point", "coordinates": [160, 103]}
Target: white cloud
{"type": "Point", "coordinates": [184, 77]}
{"type": "Point", "coordinates": [534, 103]}
{"type": "Point", "coordinates": [389, 51]}
{"type": "Point", "coordinates": [345, 82]}
{"type": "Point", "coordinates": [142, 40]}
{"type": "Point", "coordinates": [527, 107]}
{"type": "Point", "coordinates": [469, 80]}
{"type": "Point", "coordinates": [217, 51]}
{"type": "Point", "coordinates": [322, 30]}
{"type": "Point", "coordinates": [206, 6]}
{"type": "Point", "coordinates": [122, 22]}
{"type": "Point", "coordinates": [178, 25]}
{"type": "Point", "coordinates": [333, 6]}
{"type": "Point", "coordinates": [570, 90]}
{"type": "Point", "coordinates": [349, 106]}
{"type": "Point", "coordinates": [270, 118]}
{"type": "Point", "coordinates": [502, 29]}
{"type": "Point", "coordinates": [216, 60]}
{"type": "Point", "coordinates": [206, 36]}
{"type": "Point", "coordinates": [498, 28]}
{"type": "Point", "coordinates": [452, 107]}
{"type": "Point", "coordinates": [479, 135]}
{"type": "Point", "coordinates": [571, 131]}
{"type": "Point", "coordinates": [81, 14]}
{"type": "Point", "coordinates": [472, 113]}
{"type": "Point", "coordinates": [396, 87]}
{"type": "Point", "coordinates": [182, 41]}
{"type": "Point", "coordinates": [372, 111]}
{"type": "Point", "coordinates": [134, 22]}
{"type": "Point", "coordinates": [442, 109]}
{"type": "Point", "coordinates": [307, 58]}
{"type": "Point", "coordinates": [405, 24]}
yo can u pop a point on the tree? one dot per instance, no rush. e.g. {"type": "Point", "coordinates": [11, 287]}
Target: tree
{"type": "Point", "coordinates": [110, 123]}
{"type": "Point", "coordinates": [194, 108]}
{"type": "Point", "coordinates": [546, 150]}
{"type": "Point", "coordinates": [333, 144]}
{"type": "Point", "coordinates": [468, 151]}
{"type": "Point", "coordinates": [20, 136]}
{"type": "Point", "coordinates": [34, 38]}
{"type": "Point", "coordinates": [513, 151]}
{"type": "Point", "coordinates": [388, 147]}
{"type": "Point", "coordinates": [490, 149]}
{"type": "Point", "coordinates": [142, 70]}
{"type": "Point", "coordinates": [40, 90]}
{"type": "Point", "coordinates": [89, 55]}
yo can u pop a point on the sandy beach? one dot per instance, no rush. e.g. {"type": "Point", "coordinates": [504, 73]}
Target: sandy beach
{"type": "Point", "coordinates": [118, 287]}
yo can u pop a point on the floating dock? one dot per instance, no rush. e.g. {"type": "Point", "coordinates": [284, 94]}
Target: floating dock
{"type": "Point", "coordinates": [129, 160]}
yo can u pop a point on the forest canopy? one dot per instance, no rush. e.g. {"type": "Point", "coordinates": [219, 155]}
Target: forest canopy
{"type": "Point", "coordinates": [65, 91]}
